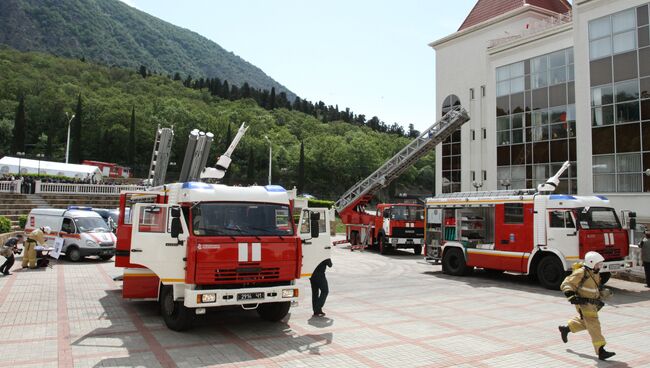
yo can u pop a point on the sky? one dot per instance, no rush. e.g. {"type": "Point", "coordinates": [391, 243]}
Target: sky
{"type": "Point", "coordinates": [370, 56]}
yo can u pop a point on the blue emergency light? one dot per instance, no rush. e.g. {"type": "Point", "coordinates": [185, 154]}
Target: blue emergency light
{"type": "Point", "coordinates": [80, 208]}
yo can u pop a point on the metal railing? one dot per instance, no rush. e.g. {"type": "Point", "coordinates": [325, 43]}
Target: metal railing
{"type": "Point", "coordinates": [60, 188]}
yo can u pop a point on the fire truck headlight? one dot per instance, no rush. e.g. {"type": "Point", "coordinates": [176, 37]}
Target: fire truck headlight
{"type": "Point", "coordinates": [289, 293]}
{"type": "Point", "coordinates": [90, 243]}
{"type": "Point", "coordinates": [207, 298]}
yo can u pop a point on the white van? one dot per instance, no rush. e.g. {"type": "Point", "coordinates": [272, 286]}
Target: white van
{"type": "Point", "coordinates": [85, 233]}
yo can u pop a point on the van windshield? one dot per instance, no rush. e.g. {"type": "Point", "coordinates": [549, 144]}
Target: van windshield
{"type": "Point", "coordinates": [598, 218]}
{"type": "Point", "coordinates": [232, 219]}
{"type": "Point", "coordinates": [91, 225]}
{"type": "Point", "coordinates": [407, 213]}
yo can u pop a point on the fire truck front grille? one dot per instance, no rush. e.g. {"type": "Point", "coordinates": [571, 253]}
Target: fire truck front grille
{"type": "Point", "coordinates": [610, 252]}
{"type": "Point", "coordinates": [407, 232]}
{"type": "Point", "coordinates": [246, 274]}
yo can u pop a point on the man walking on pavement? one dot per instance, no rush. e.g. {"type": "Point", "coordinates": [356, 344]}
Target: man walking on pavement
{"type": "Point", "coordinates": [319, 283]}
{"type": "Point", "coordinates": [36, 237]}
{"type": "Point", "coordinates": [645, 256]}
{"type": "Point", "coordinates": [7, 251]}
{"type": "Point", "coordinates": [583, 289]}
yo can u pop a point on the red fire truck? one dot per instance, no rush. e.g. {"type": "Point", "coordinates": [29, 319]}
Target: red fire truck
{"type": "Point", "coordinates": [524, 231]}
{"type": "Point", "coordinates": [393, 225]}
{"type": "Point", "coordinates": [193, 246]}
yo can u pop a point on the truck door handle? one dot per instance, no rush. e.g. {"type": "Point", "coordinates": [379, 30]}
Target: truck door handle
{"type": "Point", "coordinates": [572, 234]}
{"type": "Point", "coordinates": [504, 241]}
{"type": "Point", "coordinates": [328, 247]}
{"type": "Point", "coordinates": [136, 250]}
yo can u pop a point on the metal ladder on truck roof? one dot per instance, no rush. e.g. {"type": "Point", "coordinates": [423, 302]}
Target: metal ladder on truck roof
{"type": "Point", "coordinates": [407, 156]}
{"type": "Point", "coordinates": [162, 148]}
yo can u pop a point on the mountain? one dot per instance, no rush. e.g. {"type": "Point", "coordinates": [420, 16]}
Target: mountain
{"type": "Point", "coordinates": [115, 34]}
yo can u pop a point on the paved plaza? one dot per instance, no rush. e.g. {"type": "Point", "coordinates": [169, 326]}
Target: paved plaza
{"type": "Point", "coordinates": [383, 311]}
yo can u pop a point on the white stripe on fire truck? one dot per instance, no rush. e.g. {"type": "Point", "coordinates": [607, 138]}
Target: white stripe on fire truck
{"type": "Point", "coordinates": [256, 254]}
{"type": "Point", "coordinates": [243, 252]}
{"type": "Point", "coordinates": [606, 236]}
{"type": "Point", "coordinates": [487, 252]}
{"type": "Point", "coordinates": [611, 238]}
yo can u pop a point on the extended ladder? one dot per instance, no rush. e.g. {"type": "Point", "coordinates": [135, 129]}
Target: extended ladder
{"type": "Point", "coordinates": [162, 148]}
{"type": "Point", "coordinates": [394, 167]}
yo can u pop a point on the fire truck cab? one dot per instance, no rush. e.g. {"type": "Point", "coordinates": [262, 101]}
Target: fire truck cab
{"type": "Point", "coordinates": [192, 246]}
{"type": "Point", "coordinates": [523, 232]}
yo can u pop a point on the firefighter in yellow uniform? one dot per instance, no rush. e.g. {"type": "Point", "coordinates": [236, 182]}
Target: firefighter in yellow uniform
{"type": "Point", "coordinates": [36, 237]}
{"type": "Point", "coordinates": [583, 289]}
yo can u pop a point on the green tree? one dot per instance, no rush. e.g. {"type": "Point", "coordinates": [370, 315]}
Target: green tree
{"type": "Point", "coordinates": [143, 71]}
{"type": "Point", "coordinates": [75, 139]}
{"type": "Point", "coordinates": [272, 99]}
{"type": "Point", "coordinates": [131, 149]}
{"type": "Point", "coordinates": [20, 125]}
{"type": "Point", "coordinates": [250, 168]}
{"type": "Point", "coordinates": [301, 169]}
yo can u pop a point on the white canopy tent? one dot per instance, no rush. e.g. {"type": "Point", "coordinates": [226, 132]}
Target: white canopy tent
{"type": "Point", "coordinates": [12, 165]}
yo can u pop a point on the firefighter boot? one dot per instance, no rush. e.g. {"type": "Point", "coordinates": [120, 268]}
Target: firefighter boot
{"type": "Point", "coordinates": [603, 354]}
{"type": "Point", "coordinates": [564, 333]}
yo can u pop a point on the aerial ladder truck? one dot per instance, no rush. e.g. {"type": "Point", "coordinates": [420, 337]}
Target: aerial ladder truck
{"type": "Point", "coordinates": [393, 225]}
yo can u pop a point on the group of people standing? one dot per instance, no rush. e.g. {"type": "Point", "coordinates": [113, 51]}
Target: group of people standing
{"type": "Point", "coordinates": [10, 248]}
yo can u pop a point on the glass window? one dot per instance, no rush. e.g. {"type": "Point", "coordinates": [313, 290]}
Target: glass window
{"type": "Point", "coordinates": [604, 183]}
{"type": "Point", "coordinates": [518, 136]}
{"type": "Point", "coordinates": [558, 75]}
{"type": "Point", "coordinates": [561, 219]}
{"type": "Point", "coordinates": [153, 219]}
{"type": "Point", "coordinates": [626, 91]}
{"type": "Point", "coordinates": [598, 218]}
{"type": "Point", "coordinates": [600, 48]}
{"type": "Point", "coordinates": [557, 59]}
{"type": "Point", "coordinates": [599, 28]}
{"type": "Point", "coordinates": [603, 164]}
{"type": "Point", "coordinates": [627, 112]}
{"type": "Point", "coordinates": [601, 96]}
{"type": "Point", "coordinates": [517, 85]}
{"type": "Point", "coordinates": [503, 73]}
{"type": "Point", "coordinates": [503, 123]}
{"type": "Point", "coordinates": [503, 173]}
{"type": "Point", "coordinates": [539, 79]}
{"type": "Point", "coordinates": [629, 183]}
{"type": "Point", "coordinates": [629, 163]}
{"type": "Point", "coordinates": [503, 88]}
{"type": "Point", "coordinates": [518, 172]}
{"type": "Point", "coordinates": [517, 121]}
{"type": "Point", "coordinates": [503, 138]}
{"type": "Point", "coordinates": [513, 213]}
{"type": "Point", "coordinates": [248, 219]}
{"type": "Point", "coordinates": [539, 64]}
{"type": "Point", "coordinates": [624, 21]}
{"type": "Point", "coordinates": [624, 42]}
{"type": "Point", "coordinates": [602, 116]}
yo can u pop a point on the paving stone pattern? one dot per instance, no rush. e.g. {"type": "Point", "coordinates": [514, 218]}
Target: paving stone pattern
{"type": "Point", "coordinates": [383, 311]}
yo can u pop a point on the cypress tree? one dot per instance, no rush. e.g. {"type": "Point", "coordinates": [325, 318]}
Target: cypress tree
{"type": "Point", "coordinates": [301, 168]}
{"type": "Point", "coordinates": [143, 71]}
{"type": "Point", "coordinates": [18, 143]}
{"type": "Point", "coordinates": [272, 99]}
{"type": "Point", "coordinates": [225, 90]}
{"type": "Point", "coordinates": [246, 90]}
{"type": "Point", "coordinates": [75, 139]}
{"type": "Point", "coordinates": [131, 148]}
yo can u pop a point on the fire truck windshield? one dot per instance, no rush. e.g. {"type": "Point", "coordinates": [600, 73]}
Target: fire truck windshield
{"type": "Point", "coordinates": [406, 213]}
{"type": "Point", "coordinates": [236, 219]}
{"type": "Point", "coordinates": [598, 218]}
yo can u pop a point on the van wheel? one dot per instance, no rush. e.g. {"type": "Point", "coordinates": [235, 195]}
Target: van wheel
{"type": "Point", "coordinates": [273, 312]}
{"type": "Point", "coordinates": [354, 237]}
{"type": "Point", "coordinates": [604, 277]}
{"type": "Point", "coordinates": [177, 317]}
{"type": "Point", "coordinates": [417, 250]}
{"type": "Point", "coordinates": [550, 272]}
{"type": "Point", "coordinates": [453, 263]}
{"type": "Point", "coordinates": [74, 254]}
{"type": "Point", "coordinates": [105, 258]}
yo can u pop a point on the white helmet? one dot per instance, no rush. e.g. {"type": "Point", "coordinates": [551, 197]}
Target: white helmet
{"type": "Point", "coordinates": [592, 259]}
{"type": "Point", "coordinates": [46, 229]}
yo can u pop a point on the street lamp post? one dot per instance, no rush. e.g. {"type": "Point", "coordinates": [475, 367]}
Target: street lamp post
{"type": "Point", "coordinates": [20, 155]}
{"type": "Point", "coordinates": [270, 157]}
{"type": "Point", "coordinates": [477, 184]}
{"type": "Point", "coordinates": [40, 157]}
{"type": "Point", "coordinates": [505, 183]}
{"type": "Point", "coordinates": [67, 144]}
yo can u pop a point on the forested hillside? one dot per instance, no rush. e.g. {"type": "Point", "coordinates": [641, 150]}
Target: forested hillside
{"type": "Point", "coordinates": [113, 33]}
{"type": "Point", "coordinates": [337, 153]}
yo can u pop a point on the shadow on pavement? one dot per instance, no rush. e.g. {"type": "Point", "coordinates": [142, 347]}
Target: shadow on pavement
{"type": "Point", "coordinates": [480, 278]}
{"type": "Point", "coordinates": [612, 362]}
{"type": "Point", "coordinates": [228, 335]}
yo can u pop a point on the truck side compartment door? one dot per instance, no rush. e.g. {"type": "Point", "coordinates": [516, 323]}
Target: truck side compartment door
{"type": "Point", "coordinates": [315, 249]}
{"type": "Point", "coordinates": [152, 244]}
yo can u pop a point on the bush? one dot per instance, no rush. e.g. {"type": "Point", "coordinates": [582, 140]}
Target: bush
{"type": "Point", "coordinates": [320, 203]}
{"type": "Point", "coordinates": [22, 220]}
{"type": "Point", "coordinates": [5, 225]}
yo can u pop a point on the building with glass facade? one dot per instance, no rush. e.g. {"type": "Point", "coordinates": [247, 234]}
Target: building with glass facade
{"type": "Point", "coordinates": [546, 82]}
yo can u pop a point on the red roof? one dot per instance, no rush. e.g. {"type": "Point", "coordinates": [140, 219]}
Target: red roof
{"type": "Point", "coordinates": [487, 9]}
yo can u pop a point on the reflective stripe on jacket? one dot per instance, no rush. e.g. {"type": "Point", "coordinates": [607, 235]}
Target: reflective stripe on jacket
{"type": "Point", "coordinates": [584, 289]}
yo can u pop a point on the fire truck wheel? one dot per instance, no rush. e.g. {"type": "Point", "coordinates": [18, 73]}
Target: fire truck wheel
{"type": "Point", "coordinates": [453, 263]}
{"type": "Point", "coordinates": [106, 258]}
{"type": "Point", "coordinates": [354, 237]}
{"type": "Point", "coordinates": [550, 272]}
{"type": "Point", "coordinates": [177, 316]}
{"type": "Point", "coordinates": [417, 250]}
{"type": "Point", "coordinates": [604, 277]}
{"type": "Point", "coordinates": [383, 247]}
{"type": "Point", "coordinates": [74, 254]}
{"type": "Point", "coordinates": [273, 311]}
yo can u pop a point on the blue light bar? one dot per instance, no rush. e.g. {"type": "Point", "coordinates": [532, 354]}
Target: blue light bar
{"type": "Point", "coordinates": [602, 197]}
{"type": "Point", "coordinates": [196, 185]}
{"type": "Point", "coordinates": [80, 208]}
{"type": "Point", "coordinates": [275, 188]}
{"type": "Point", "coordinates": [559, 197]}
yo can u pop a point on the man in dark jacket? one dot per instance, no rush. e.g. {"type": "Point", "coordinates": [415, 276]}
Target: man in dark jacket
{"type": "Point", "coordinates": [645, 256]}
{"type": "Point", "coordinates": [7, 250]}
{"type": "Point", "coordinates": [319, 284]}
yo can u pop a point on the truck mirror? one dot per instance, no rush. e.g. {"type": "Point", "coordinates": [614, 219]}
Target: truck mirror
{"type": "Point", "coordinates": [176, 228]}
{"type": "Point", "coordinates": [315, 216]}
{"type": "Point", "coordinates": [632, 223]}
{"type": "Point", "coordinates": [176, 212]}
{"type": "Point", "coordinates": [314, 225]}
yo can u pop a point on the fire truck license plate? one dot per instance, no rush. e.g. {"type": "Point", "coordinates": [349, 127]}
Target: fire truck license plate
{"type": "Point", "coordinates": [250, 296]}
{"type": "Point", "coordinates": [614, 267]}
